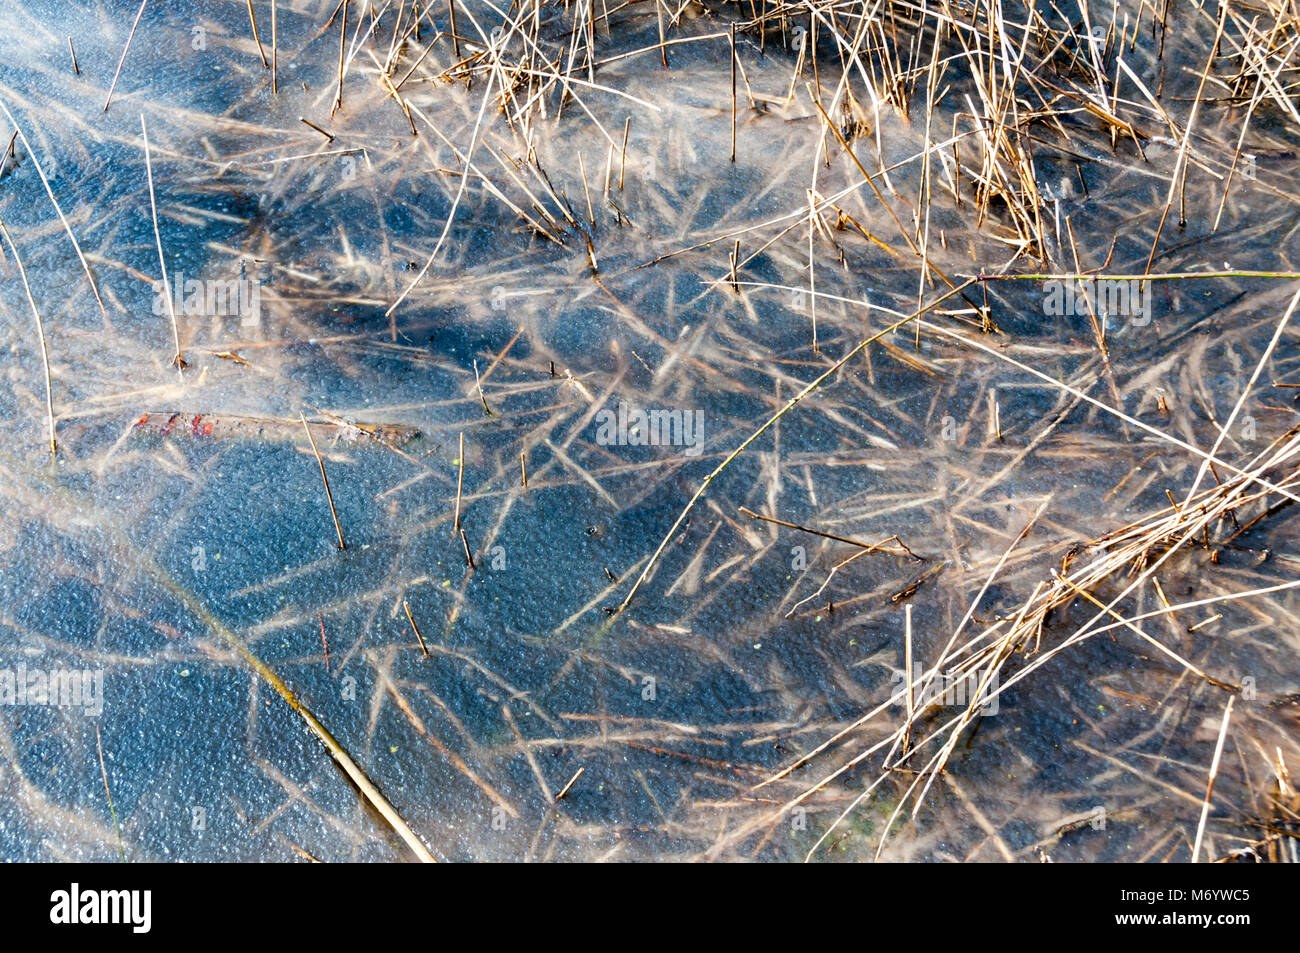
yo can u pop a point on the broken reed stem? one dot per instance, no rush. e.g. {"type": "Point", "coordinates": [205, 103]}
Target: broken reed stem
{"type": "Point", "coordinates": [40, 331]}
{"type": "Point", "coordinates": [162, 261]}
{"type": "Point", "coordinates": [1214, 773]}
{"type": "Point", "coordinates": [324, 479]}
{"type": "Point", "coordinates": [565, 790]}
{"type": "Point", "coordinates": [103, 773]}
{"type": "Point", "coordinates": [118, 72]}
{"type": "Point", "coordinates": [252, 18]}
{"type": "Point", "coordinates": [469, 557]}
{"type": "Point", "coordinates": [308, 122]}
{"type": "Point", "coordinates": [663, 47]}
{"type": "Point", "coordinates": [460, 483]}
{"type": "Point", "coordinates": [75, 68]}
{"type": "Point", "coordinates": [415, 628]}
{"type": "Point", "coordinates": [455, 36]}
{"type": "Point", "coordinates": [523, 467]}
{"type": "Point", "coordinates": [816, 383]}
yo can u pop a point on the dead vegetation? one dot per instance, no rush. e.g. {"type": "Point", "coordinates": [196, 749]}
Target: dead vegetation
{"type": "Point", "coordinates": [862, 314]}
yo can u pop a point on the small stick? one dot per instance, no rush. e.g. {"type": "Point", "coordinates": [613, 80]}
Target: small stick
{"type": "Point", "coordinates": [460, 482]}
{"type": "Point", "coordinates": [733, 90]}
{"type": "Point", "coordinates": [99, 746]}
{"type": "Point", "coordinates": [324, 479]}
{"type": "Point", "coordinates": [869, 547]}
{"type": "Point", "coordinates": [275, 54]}
{"type": "Point", "coordinates": [162, 261]}
{"type": "Point", "coordinates": [523, 467]}
{"type": "Point", "coordinates": [40, 331]}
{"type": "Point", "coordinates": [565, 789]}
{"type": "Point", "coordinates": [343, 36]}
{"type": "Point", "coordinates": [455, 37]}
{"type": "Point", "coordinates": [1200, 625]}
{"type": "Point", "coordinates": [663, 47]}
{"type": "Point", "coordinates": [1214, 773]}
{"type": "Point", "coordinates": [415, 628]}
{"type": "Point", "coordinates": [337, 7]}
{"type": "Point", "coordinates": [75, 68]}
{"type": "Point", "coordinates": [253, 20]}
{"type": "Point", "coordinates": [327, 135]}
{"type": "Point", "coordinates": [622, 166]}
{"type": "Point", "coordinates": [122, 60]}
{"type": "Point", "coordinates": [479, 384]}
{"type": "Point", "coordinates": [468, 557]}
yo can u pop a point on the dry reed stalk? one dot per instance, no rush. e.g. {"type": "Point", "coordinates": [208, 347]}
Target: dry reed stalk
{"type": "Point", "coordinates": [122, 59]}
{"type": "Point", "coordinates": [85, 266]}
{"type": "Point", "coordinates": [177, 359]}
{"type": "Point", "coordinates": [252, 19]}
{"type": "Point", "coordinates": [1214, 773]}
{"type": "Point", "coordinates": [329, 496]}
{"type": "Point", "coordinates": [40, 333]}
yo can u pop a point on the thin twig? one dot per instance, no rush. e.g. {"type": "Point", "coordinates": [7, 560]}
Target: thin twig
{"type": "Point", "coordinates": [460, 483]}
{"type": "Point", "coordinates": [324, 479]}
{"type": "Point", "coordinates": [415, 628]}
{"type": "Point", "coordinates": [565, 790]}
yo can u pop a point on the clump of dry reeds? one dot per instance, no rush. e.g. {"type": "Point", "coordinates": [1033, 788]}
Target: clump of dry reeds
{"type": "Point", "coordinates": [995, 90]}
{"type": "Point", "coordinates": [1209, 519]}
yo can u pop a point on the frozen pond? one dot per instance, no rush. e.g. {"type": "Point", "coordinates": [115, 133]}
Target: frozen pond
{"type": "Point", "coordinates": [613, 308]}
